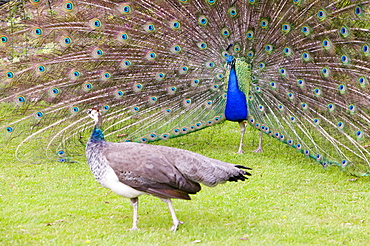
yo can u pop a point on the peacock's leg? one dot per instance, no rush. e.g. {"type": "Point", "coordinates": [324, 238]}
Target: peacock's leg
{"type": "Point", "coordinates": [135, 203]}
{"type": "Point", "coordinates": [242, 132]}
{"type": "Point", "coordinates": [176, 221]}
{"type": "Point", "coordinates": [259, 149]}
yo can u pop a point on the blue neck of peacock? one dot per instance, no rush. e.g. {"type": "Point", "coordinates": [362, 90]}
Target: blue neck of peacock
{"type": "Point", "coordinates": [233, 84]}
{"type": "Point", "coordinates": [236, 103]}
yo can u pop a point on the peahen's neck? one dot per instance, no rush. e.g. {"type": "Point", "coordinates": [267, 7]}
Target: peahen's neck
{"type": "Point", "coordinates": [236, 103]}
{"type": "Point", "coordinates": [94, 148]}
{"type": "Point", "coordinates": [97, 133]}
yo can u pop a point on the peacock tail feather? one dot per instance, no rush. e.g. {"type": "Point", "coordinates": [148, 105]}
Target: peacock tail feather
{"type": "Point", "coordinates": [157, 69]}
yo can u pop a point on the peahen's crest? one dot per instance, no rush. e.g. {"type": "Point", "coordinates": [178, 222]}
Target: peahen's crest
{"type": "Point", "coordinates": [158, 70]}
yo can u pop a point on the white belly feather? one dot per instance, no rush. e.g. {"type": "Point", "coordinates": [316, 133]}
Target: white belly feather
{"type": "Point", "coordinates": [110, 181]}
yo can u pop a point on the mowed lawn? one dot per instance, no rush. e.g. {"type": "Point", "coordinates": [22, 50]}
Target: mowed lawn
{"type": "Point", "coordinates": [289, 200]}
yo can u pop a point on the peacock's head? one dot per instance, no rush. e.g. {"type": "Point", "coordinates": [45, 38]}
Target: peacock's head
{"type": "Point", "coordinates": [95, 114]}
{"type": "Point", "coordinates": [230, 60]}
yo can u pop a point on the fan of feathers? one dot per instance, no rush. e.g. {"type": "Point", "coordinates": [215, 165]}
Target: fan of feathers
{"type": "Point", "coordinates": [157, 70]}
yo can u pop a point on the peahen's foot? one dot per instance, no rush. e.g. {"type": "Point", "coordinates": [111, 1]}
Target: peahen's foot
{"type": "Point", "coordinates": [134, 228]}
{"type": "Point", "coordinates": [176, 225]}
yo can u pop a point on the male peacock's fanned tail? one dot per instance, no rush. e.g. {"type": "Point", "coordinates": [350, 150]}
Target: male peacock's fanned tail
{"type": "Point", "coordinates": [158, 70]}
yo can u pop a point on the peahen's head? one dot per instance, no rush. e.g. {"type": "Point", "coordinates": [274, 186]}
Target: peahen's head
{"type": "Point", "coordinates": [95, 114]}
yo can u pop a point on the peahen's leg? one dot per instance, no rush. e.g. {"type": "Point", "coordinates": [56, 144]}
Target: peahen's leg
{"type": "Point", "coordinates": [242, 132]}
{"type": "Point", "coordinates": [135, 204]}
{"type": "Point", "coordinates": [259, 149]}
{"type": "Point", "coordinates": [175, 220]}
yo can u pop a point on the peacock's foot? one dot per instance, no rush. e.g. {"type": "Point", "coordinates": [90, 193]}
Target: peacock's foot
{"type": "Point", "coordinates": [258, 150]}
{"type": "Point", "coordinates": [175, 226]}
{"type": "Point", "coordinates": [240, 149]}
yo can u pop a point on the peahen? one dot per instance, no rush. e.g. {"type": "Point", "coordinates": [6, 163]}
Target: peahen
{"type": "Point", "coordinates": [297, 70]}
{"type": "Point", "coordinates": [133, 169]}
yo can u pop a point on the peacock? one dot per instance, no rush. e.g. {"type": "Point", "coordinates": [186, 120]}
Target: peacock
{"type": "Point", "coordinates": [133, 169]}
{"type": "Point", "coordinates": [296, 70]}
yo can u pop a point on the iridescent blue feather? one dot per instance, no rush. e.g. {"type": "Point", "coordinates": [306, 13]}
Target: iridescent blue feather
{"type": "Point", "coordinates": [236, 108]}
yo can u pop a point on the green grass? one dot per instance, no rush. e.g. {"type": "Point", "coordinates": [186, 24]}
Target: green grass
{"type": "Point", "coordinates": [289, 200]}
